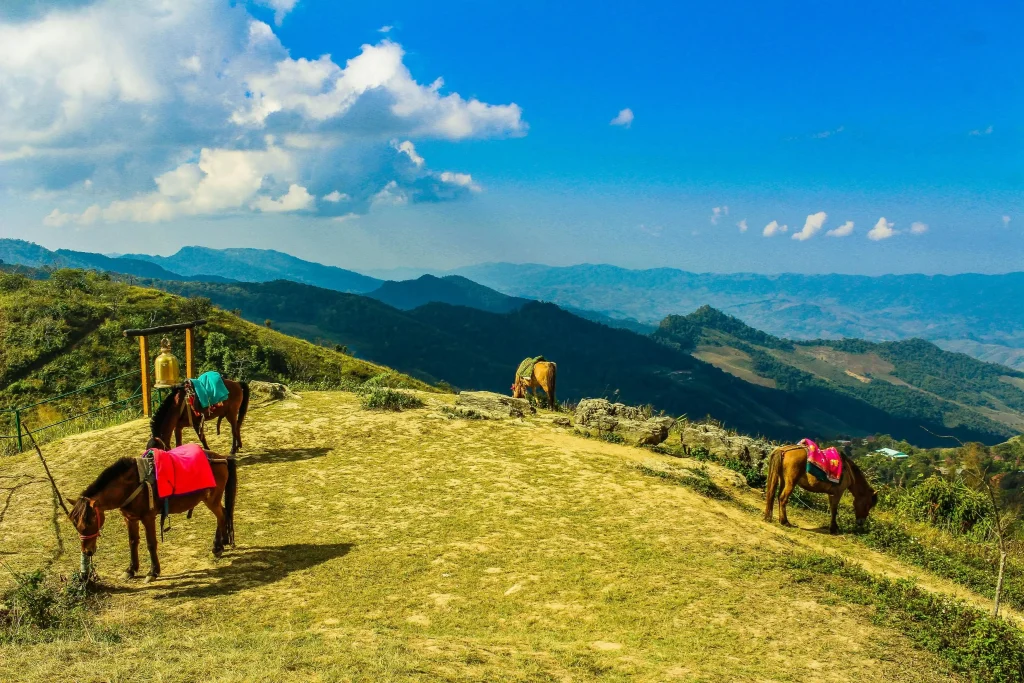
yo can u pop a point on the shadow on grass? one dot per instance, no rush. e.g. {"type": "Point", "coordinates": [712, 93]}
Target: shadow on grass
{"type": "Point", "coordinates": [251, 568]}
{"type": "Point", "coordinates": [283, 455]}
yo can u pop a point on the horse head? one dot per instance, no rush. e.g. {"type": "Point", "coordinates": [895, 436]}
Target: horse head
{"type": "Point", "coordinates": [88, 521]}
{"type": "Point", "coordinates": [864, 496]}
{"type": "Point", "coordinates": [517, 389]}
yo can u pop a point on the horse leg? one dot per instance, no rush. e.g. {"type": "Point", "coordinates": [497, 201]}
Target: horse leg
{"type": "Point", "coordinates": [177, 435]}
{"type": "Point", "coordinates": [833, 506]}
{"type": "Point", "coordinates": [202, 436]}
{"type": "Point", "coordinates": [236, 433]}
{"type": "Point", "coordinates": [787, 491]}
{"type": "Point", "coordinates": [221, 535]}
{"type": "Point", "coordinates": [149, 521]}
{"type": "Point", "coordinates": [133, 545]}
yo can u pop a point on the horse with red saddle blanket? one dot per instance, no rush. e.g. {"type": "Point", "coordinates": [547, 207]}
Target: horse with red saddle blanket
{"type": "Point", "coordinates": [818, 471]}
{"type": "Point", "coordinates": [158, 482]}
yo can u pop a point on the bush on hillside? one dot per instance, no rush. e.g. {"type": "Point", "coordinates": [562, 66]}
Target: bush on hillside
{"type": "Point", "coordinates": [947, 505]}
{"type": "Point", "coordinates": [389, 399]}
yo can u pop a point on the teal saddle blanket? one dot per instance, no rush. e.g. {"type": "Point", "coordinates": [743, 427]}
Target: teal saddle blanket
{"type": "Point", "coordinates": [210, 389]}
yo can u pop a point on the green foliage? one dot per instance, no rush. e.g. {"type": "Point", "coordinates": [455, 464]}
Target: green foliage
{"type": "Point", "coordinates": [947, 505]}
{"type": "Point", "coordinates": [384, 398]}
{"type": "Point", "coordinates": [42, 607]}
{"type": "Point", "coordinates": [986, 649]}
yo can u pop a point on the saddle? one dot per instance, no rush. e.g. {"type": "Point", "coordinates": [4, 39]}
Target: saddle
{"type": "Point", "coordinates": [183, 470]}
{"type": "Point", "coordinates": [826, 465]}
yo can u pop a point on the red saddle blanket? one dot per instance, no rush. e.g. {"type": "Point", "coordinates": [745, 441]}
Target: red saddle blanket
{"type": "Point", "coordinates": [823, 464]}
{"type": "Point", "coordinates": [182, 470]}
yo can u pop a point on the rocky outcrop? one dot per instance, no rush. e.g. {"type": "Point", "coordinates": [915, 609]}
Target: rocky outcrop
{"type": "Point", "coordinates": [491, 406]}
{"type": "Point", "coordinates": [269, 391]}
{"type": "Point", "coordinates": [724, 445]}
{"type": "Point", "coordinates": [598, 416]}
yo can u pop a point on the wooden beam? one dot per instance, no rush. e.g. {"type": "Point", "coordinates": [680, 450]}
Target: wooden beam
{"type": "Point", "coordinates": [164, 328]}
{"type": "Point", "coordinates": [147, 392]}
{"type": "Point", "coordinates": [189, 334]}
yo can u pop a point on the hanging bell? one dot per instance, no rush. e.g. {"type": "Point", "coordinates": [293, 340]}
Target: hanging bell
{"type": "Point", "coordinates": [166, 367]}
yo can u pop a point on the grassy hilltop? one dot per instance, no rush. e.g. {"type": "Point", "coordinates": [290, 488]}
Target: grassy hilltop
{"type": "Point", "coordinates": [410, 546]}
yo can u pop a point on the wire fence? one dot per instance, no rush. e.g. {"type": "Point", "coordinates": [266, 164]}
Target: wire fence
{"type": "Point", "coordinates": [15, 443]}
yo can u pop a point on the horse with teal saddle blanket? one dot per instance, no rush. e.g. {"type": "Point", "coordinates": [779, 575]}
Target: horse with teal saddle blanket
{"type": "Point", "coordinates": [197, 400]}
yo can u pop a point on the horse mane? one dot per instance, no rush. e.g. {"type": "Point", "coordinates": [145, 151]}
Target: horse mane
{"type": "Point", "coordinates": [108, 475]}
{"type": "Point", "coordinates": [162, 412]}
{"type": "Point", "coordinates": [858, 474]}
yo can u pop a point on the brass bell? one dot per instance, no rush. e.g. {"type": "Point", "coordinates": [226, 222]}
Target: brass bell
{"type": "Point", "coordinates": [166, 367]}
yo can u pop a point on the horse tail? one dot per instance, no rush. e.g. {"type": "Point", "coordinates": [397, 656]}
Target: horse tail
{"type": "Point", "coordinates": [554, 383]}
{"type": "Point", "coordinates": [771, 487]}
{"type": "Point", "coordinates": [244, 408]}
{"type": "Point", "coordinates": [230, 493]}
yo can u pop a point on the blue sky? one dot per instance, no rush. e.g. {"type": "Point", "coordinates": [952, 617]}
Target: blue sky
{"type": "Point", "coordinates": [228, 126]}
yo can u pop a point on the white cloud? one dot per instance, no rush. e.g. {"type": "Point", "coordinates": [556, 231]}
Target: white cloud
{"type": "Point", "coordinates": [918, 228]}
{"type": "Point", "coordinates": [985, 131]}
{"type": "Point", "coordinates": [323, 92]}
{"type": "Point", "coordinates": [882, 230]}
{"type": "Point", "coordinates": [165, 107]}
{"type": "Point", "coordinates": [1006, 220]}
{"type": "Point", "coordinates": [297, 198]}
{"type": "Point", "coordinates": [827, 133]}
{"type": "Point", "coordinates": [623, 118]}
{"type": "Point", "coordinates": [392, 195]}
{"type": "Point", "coordinates": [385, 29]}
{"type": "Point", "coordinates": [717, 213]}
{"type": "Point", "coordinates": [844, 230]}
{"type": "Point", "coordinates": [742, 225]}
{"type": "Point", "coordinates": [408, 149]}
{"type": "Point", "coordinates": [281, 8]}
{"type": "Point", "coordinates": [461, 179]}
{"type": "Point", "coordinates": [345, 217]}
{"type": "Point", "coordinates": [335, 197]}
{"type": "Point", "coordinates": [812, 225]}
{"type": "Point", "coordinates": [773, 229]}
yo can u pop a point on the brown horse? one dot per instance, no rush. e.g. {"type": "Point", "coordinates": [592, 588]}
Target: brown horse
{"type": "Point", "coordinates": [173, 415]}
{"type": "Point", "coordinates": [788, 464]}
{"type": "Point", "coordinates": [119, 487]}
{"type": "Point", "coordinates": [543, 376]}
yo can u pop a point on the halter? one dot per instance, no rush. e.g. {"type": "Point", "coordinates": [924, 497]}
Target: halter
{"type": "Point", "coordinates": [89, 537]}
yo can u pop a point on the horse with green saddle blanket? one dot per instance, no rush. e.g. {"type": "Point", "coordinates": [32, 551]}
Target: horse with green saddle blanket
{"type": "Point", "coordinates": [195, 401]}
{"type": "Point", "coordinates": [533, 373]}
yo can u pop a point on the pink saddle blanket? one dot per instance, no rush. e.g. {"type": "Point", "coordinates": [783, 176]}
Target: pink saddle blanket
{"type": "Point", "coordinates": [823, 464]}
{"type": "Point", "coordinates": [182, 470]}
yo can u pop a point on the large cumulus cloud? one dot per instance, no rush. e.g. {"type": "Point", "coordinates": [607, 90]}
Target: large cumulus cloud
{"type": "Point", "coordinates": [168, 108]}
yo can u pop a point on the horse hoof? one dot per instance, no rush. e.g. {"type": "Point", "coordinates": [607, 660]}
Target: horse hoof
{"type": "Point", "coordinates": [128, 575]}
{"type": "Point", "coordinates": [150, 578]}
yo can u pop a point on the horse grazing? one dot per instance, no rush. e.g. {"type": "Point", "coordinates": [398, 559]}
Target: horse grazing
{"type": "Point", "coordinates": [174, 413]}
{"type": "Point", "coordinates": [788, 464]}
{"type": "Point", "coordinates": [543, 376]}
{"type": "Point", "coordinates": [120, 487]}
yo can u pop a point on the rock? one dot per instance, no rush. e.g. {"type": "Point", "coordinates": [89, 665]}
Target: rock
{"type": "Point", "coordinates": [722, 444]}
{"type": "Point", "coordinates": [562, 421]}
{"type": "Point", "coordinates": [491, 406]}
{"type": "Point", "coordinates": [599, 416]}
{"type": "Point", "coordinates": [270, 391]}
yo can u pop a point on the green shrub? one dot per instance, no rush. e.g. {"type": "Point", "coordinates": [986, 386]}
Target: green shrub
{"type": "Point", "coordinates": [383, 398]}
{"type": "Point", "coordinates": [40, 607]}
{"type": "Point", "coordinates": [950, 506]}
{"type": "Point", "coordinates": [698, 479]}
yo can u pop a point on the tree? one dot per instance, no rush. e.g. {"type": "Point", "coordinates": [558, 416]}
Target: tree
{"type": "Point", "coordinates": [268, 323]}
{"type": "Point", "coordinates": [1006, 506]}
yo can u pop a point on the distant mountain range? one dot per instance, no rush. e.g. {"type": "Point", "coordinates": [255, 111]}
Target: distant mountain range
{"type": "Point", "coordinates": [985, 310]}
{"type": "Point", "coordinates": [981, 315]}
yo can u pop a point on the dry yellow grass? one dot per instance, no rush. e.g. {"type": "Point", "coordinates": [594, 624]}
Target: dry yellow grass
{"type": "Point", "coordinates": [409, 546]}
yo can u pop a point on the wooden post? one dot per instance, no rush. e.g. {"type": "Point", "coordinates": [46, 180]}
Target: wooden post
{"type": "Point", "coordinates": [188, 353]}
{"type": "Point", "coordinates": [147, 393]}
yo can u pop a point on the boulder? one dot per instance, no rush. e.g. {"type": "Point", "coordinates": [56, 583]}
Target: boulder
{"type": "Point", "coordinates": [491, 406]}
{"type": "Point", "coordinates": [269, 391]}
{"type": "Point", "coordinates": [723, 444]}
{"type": "Point", "coordinates": [598, 416]}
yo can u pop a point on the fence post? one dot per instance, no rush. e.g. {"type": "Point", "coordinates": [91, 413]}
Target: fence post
{"type": "Point", "coordinates": [17, 426]}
